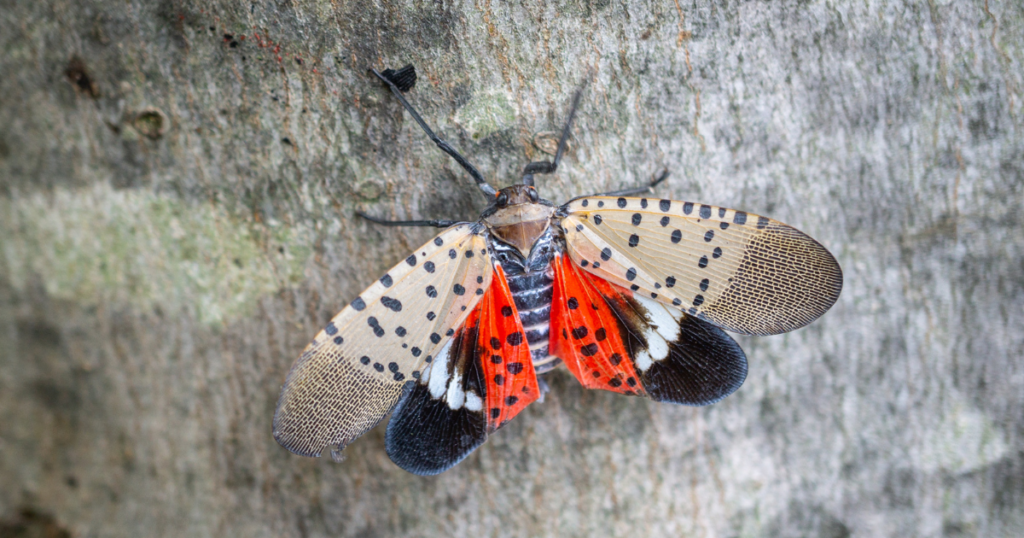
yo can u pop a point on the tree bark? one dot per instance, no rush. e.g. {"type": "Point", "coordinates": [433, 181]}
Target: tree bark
{"type": "Point", "coordinates": [178, 182]}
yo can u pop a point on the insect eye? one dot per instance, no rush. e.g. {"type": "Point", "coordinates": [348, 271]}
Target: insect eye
{"type": "Point", "coordinates": [533, 195]}
{"type": "Point", "coordinates": [502, 200]}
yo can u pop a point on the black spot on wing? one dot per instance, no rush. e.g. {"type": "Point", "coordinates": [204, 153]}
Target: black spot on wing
{"type": "Point", "coordinates": [375, 325]}
{"type": "Point", "coordinates": [391, 304]}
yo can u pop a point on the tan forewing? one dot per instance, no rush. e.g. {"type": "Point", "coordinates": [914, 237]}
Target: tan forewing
{"type": "Point", "coordinates": [351, 375]}
{"type": "Point", "coordinates": [742, 272]}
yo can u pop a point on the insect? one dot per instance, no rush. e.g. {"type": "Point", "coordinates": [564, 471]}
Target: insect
{"type": "Point", "coordinates": [632, 294]}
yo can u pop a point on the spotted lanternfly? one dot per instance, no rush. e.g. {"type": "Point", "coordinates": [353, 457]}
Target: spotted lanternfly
{"type": "Point", "coordinates": [633, 295]}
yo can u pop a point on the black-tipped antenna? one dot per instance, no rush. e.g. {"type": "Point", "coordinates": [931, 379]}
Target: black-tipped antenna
{"type": "Point", "coordinates": [549, 167]}
{"type": "Point", "coordinates": [403, 80]}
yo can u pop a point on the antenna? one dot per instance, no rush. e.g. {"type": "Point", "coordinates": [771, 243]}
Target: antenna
{"type": "Point", "coordinates": [403, 80]}
{"type": "Point", "coordinates": [549, 167]}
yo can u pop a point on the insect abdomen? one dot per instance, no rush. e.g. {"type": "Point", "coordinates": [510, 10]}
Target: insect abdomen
{"type": "Point", "coordinates": [531, 292]}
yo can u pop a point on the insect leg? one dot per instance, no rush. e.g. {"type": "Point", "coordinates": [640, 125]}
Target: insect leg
{"type": "Point", "coordinates": [542, 384]}
{"type": "Point", "coordinates": [549, 167]}
{"type": "Point", "coordinates": [434, 223]}
{"type": "Point", "coordinates": [445, 146]}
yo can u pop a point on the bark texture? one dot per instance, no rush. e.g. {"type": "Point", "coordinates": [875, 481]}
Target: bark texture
{"type": "Point", "coordinates": [178, 181]}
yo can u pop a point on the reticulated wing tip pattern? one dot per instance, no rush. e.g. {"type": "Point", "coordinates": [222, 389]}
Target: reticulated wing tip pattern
{"type": "Point", "coordinates": [785, 281]}
{"type": "Point", "coordinates": [353, 373]}
{"type": "Point", "coordinates": [742, 272]}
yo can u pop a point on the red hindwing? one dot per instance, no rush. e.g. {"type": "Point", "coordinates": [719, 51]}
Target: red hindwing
{"type": "Point", "coordinates": [504, 354]}
{"type": "Point", "coordinates": [585, 333]}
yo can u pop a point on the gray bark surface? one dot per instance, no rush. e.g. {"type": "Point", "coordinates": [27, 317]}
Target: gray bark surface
{"type": "Point", "coordinates": [177, 221]}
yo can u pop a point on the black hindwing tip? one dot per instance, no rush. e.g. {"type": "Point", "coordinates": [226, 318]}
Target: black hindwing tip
{"type": "Point", "coordinates": [426, 437]}
{"type": "Point", "coordinates": [704, 366]}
